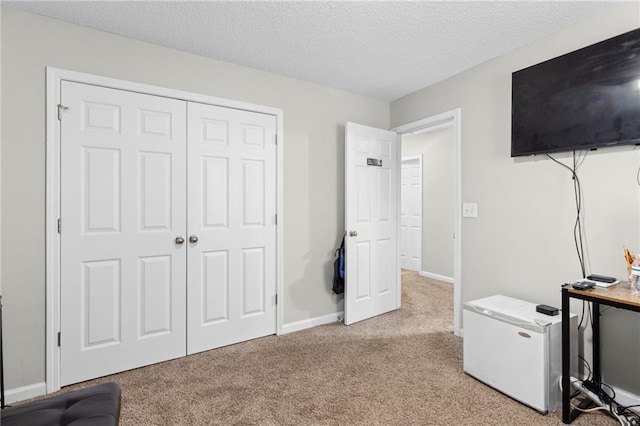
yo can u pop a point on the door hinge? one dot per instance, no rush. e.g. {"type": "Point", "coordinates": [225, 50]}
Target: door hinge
{"type": "Point", "coordinates": [275, 139]}
{"type": "Point", "coordinates": [59, 338]}
{"type": "Point", "coordinates": [276, 218]}
{"type": "Point", "coordinates": [59, 225]}
{"type": "Point", "coordinates": [276, 298]}
{"type": "Point", "coordinates": [60, 109]}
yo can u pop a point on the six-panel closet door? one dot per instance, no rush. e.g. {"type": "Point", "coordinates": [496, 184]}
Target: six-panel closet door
{"type": "Point", "coordinates": [168, 229]}
{"type": "Point", "coordinates": [123, 204]}
{"type": "Point", "coordinates": [232, 207]}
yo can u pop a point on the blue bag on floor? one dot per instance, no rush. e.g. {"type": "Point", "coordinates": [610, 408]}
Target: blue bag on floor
{"type": "Point", "coordinates": [338, 270]}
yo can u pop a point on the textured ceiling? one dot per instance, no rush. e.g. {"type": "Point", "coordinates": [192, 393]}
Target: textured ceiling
{"type": "Point", "coordinates": [379, 49]}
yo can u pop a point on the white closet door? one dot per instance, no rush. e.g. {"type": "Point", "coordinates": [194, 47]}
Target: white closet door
{"type": "Point", "coordinates": [122, 206]}
{"type": "Point", "coordinates": [232, 206]}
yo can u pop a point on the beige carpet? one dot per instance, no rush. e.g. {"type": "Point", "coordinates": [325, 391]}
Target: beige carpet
{"type": "Point", "coordinates": [400, 368]}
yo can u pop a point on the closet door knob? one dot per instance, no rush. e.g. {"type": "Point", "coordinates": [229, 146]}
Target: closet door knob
{"type": "Point", "coordinates": [193, 239]}
{"type": "Point", "coordinates": [353, 233]}
{"type": "Point", "coordinates": [179, 240]}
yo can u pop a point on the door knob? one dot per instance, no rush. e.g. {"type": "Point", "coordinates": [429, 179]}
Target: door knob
{"type": "Point", "coordinates": [353, 233]}
{"type": "Point", "coordinates": [179, 240]}
{"type": "Point", "coordinates": [193, 239]}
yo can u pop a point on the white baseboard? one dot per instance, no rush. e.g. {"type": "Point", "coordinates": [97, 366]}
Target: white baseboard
{"type": "Point", "coordinates": [312, 322]}
{"type": "Point", "coordinates": [626, 398]}
{"type": "Point", "coordinates": [25, 392]}
{"type": "Point", "coordinates": [436, 277]}
{"type": "Point", "coordinates": [39, 389]}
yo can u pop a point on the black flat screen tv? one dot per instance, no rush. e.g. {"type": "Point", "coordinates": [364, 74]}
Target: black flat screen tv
{"type": "Point", "coordinates": [583, 100]}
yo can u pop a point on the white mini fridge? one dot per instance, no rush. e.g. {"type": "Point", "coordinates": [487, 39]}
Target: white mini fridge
{"type": "Point", "coordinates": [516, 350]}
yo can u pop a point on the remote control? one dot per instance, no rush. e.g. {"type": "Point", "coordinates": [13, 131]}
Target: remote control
{"type": "Point", "coordinates": [583, 286]}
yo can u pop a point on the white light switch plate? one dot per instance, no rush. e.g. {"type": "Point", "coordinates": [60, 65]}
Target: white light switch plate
{"type": "Point", "coordinates": [469, 210]}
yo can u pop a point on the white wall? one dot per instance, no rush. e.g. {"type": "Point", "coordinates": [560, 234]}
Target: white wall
{"type": "Point", "coordinates": [314, 118]}
{"type": "Point", "coordinates": [438, 196]}
{"type": "Point", "coordinates": [521, 244]}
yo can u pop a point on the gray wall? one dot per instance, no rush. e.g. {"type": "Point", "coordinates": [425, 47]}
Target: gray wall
{"type": "Point", "coordinates": [521, 244]}
{"type": "Point", "coordinates": [314, 118]}
{"type": "Point", "coordinates": [437, 150]}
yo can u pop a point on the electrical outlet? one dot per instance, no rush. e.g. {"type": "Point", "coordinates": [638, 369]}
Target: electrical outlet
{"type": "Point", "coordinates": [469, 210]}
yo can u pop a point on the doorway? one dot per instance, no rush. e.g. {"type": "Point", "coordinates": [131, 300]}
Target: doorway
{"type": "Point", "coordinates": [434, 146]}
{"type": "Point", "coordinates": [447, 120]}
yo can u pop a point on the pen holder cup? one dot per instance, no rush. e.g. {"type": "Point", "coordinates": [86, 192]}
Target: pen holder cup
{"type": "Point", "coordinates": [634, 279]}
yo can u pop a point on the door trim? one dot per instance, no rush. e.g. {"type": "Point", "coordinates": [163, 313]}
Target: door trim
{"type": "Point", "coordinates": [454, 118]}
{"type": "Point", "coordinates": [54, 77]}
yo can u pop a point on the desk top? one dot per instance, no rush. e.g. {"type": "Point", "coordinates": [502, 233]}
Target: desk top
{"type": "Point", "coordinates": [620, 293]}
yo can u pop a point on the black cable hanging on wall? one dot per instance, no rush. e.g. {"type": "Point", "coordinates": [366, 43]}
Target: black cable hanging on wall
{"type": "Point", "coordinates": [577, 189]}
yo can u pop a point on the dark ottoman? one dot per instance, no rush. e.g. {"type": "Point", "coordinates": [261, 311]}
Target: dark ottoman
{"type": "Point", "coordinates": [94, 406]}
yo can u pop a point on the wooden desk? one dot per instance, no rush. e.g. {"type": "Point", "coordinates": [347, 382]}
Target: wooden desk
{"type": "Point", "coordinates": [619, 296]}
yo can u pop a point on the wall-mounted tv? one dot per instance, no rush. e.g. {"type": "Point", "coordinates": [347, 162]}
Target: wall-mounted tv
{"type": "Point", "coordinates": [583, 100]}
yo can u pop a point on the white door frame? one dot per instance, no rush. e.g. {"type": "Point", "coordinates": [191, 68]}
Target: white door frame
{"type": "Point", "coordinates": [408, 159]}
{"type": "Point", "coordinates": [54, 77]}
{"type": "Point", "coordinates": [454, 117]}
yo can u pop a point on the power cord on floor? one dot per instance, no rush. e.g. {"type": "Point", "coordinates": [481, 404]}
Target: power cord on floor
{"type": "Point", "coordinates": [601, 406]}
{"type": "Point", "coordinates": [606, 402]}
{"type": "Point", "coordinates": [597, 393]}
{"type": "Point", "coordinates": [604, 396]}
{"type": "Point", "coordinates": [625, 411]}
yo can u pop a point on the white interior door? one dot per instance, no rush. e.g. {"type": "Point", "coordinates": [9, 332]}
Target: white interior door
{"type": "Point", "coordinates": [123, 204]}
{"type": "Point", "coordinates": [411, 214]}
{"type": "Point", "coordinates": [371, 180]}
{"type": "Point", "coordinates": [232, 207]}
